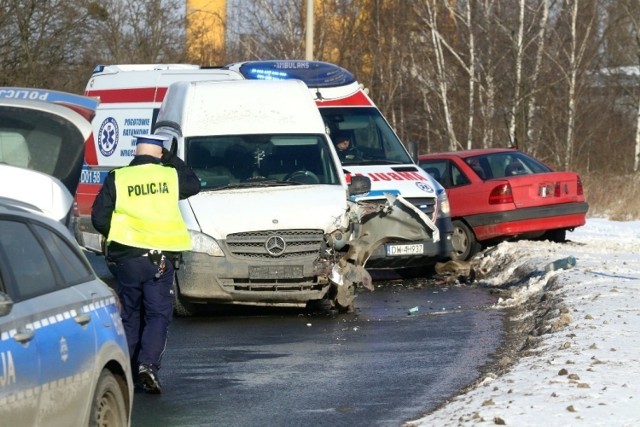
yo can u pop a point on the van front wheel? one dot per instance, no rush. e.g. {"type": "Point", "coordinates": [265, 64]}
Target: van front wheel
{"type": "Point", "coordinates": [182, 308]}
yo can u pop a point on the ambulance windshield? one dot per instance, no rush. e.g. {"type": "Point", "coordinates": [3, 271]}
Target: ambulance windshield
{"type": "Point", "coordinates": [371, 139]}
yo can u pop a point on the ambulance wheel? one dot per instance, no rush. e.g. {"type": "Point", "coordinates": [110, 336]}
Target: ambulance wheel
{"type": "Point", "coordinates": [182, 308]}
{"type": "Point", "coordinates": [463, 242]}
{"type": "Point", "coordinates": [303, 177]}
{"type": "Point", "coordinates": [109, 406]}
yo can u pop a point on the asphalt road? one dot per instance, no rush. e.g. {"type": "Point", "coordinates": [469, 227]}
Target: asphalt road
{"type": "Point", "coordinates": [379, 366]}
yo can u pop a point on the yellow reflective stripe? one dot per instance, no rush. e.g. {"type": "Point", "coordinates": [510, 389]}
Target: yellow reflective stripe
{"type": "Point", "coordinates": [152, 234]}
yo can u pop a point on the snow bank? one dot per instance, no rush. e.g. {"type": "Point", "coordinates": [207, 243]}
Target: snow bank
{"type": "Point", "coordinates": [578, 360]}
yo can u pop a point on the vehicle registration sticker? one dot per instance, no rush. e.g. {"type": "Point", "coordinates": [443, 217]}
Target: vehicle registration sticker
{"type": "Point", "coordinates": [398, 250]}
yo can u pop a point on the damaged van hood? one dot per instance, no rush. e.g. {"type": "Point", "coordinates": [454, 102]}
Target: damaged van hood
{"type": "Point", "coordinates": [266, 208]}
{"type": "Point", "coordinates": [376, 224]}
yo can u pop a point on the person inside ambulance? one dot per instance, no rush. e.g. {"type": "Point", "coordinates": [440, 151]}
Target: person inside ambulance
{"type": "Point", "coordinates": [343, 141]}
{"type": "Point", "coordinates": [137, 211]}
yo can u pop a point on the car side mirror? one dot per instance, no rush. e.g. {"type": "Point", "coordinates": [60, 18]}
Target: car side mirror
{"type": "Point", "coordinates": [359, 185]}
{"type": "Point", "coordinates": [6, 304]}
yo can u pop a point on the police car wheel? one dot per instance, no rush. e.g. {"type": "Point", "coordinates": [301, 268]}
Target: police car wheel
{"type": "Point", "coordinates": [108, 407]}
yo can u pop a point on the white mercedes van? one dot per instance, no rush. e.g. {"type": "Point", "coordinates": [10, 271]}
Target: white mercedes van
{"type": "Point", "coordinates": [273, 207]}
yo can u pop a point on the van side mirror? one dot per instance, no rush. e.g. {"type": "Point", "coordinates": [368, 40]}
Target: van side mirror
{"type": "Point", "coordinates": [359, 185]}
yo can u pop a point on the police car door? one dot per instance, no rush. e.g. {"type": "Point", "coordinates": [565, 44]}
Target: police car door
{"type": "Point", "coordinates": [62, 334]}
{"type": "Point", "coordinates": [68, 348]}
{"type": "Point", "coordinates": [19, 360]}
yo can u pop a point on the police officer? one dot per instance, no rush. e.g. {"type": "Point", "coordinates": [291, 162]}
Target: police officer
{"type": "Point", "coordinates": [137, 211]}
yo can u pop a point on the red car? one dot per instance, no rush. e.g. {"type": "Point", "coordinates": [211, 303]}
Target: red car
{"type": "Point", "coordinates": [504, 194]}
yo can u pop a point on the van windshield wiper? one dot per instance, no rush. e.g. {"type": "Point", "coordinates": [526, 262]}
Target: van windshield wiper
{"type": "Point", "coordinates": [376, 162]}
{"type": "Point", "coordinates": [254, 183]}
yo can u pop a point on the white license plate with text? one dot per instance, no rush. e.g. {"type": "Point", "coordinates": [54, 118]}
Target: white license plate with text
{"type": "Point", "coordinates": [398, 250]}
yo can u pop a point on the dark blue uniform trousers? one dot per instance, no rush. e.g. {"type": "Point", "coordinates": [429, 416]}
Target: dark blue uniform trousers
{"type": "Point", "coordinates": [147, 309]}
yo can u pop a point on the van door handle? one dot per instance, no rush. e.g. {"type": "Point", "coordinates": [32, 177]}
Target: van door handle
{"type": "Point", "coordinates": [82, 318]}
{"type": "Point", "coordinates": [24, 335]}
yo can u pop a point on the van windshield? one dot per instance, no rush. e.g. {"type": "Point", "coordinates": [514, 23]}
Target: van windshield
{"type": "Point", "coordinates": [363, 137]}
{"type": "Point", "coordinates": [260, 160]}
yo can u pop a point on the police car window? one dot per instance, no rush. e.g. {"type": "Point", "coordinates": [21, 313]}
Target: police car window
{"type": "Point", "coordinates": [71, 266]}
{"type": "Point", "coordinates": [29, 265]}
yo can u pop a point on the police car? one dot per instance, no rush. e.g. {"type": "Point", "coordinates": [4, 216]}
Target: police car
{"type": "Point", "coordinates": [63, 353]}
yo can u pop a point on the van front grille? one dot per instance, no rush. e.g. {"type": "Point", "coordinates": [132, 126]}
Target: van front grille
{"type": "Point", "coordinates": [278, 244]}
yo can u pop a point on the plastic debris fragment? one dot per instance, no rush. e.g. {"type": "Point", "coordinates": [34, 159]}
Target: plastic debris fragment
{"type": "Point", "coordinates": [561, 264]}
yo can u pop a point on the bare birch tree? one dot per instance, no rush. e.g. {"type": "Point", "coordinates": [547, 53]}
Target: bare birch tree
{"type": "Point", "coordinates": [472, 75]}
{"type": "Point", "coordinates": [631, 11]}
{"type": "Point", "coordinates": [577, 50]}
{"type": "Point", "coordinates": [532, 105]}
{"type": "Point", "coordinates": [519, 59]}
{"type": "Point", "coordinates": [427, 14]}
{"type": "Point", "coordinates": [487, 97]}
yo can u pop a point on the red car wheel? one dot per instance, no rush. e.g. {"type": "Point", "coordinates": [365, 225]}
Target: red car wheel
{"type": "Point", "coordinates": [464, 242]}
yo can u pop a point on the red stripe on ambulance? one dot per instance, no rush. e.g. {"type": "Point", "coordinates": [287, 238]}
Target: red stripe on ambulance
{"type": "Point", "coordinates": [140, 94]}
{"type": "Point", "coordinates": [394, 176]}
{"type": "Point", "coordinates": [357, 99]}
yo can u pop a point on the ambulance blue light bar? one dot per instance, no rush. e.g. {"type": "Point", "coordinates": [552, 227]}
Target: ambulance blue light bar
{"type": "Point", "coordinates": [314, 74]}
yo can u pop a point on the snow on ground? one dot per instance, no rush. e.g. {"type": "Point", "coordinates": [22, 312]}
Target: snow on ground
{"type": "Point", "coordinates": [579, 363]}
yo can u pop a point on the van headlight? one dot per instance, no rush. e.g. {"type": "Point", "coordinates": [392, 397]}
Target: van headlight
{"type": "Point", "coordinates": [443, 202]}
{"type": "Point", "coordinates": [202, 243]}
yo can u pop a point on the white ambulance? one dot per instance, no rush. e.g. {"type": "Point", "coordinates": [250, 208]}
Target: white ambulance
{"type": "Point", "coordinates": [375, 151]}
{"type": "Point", "coordinates": [130, 97]}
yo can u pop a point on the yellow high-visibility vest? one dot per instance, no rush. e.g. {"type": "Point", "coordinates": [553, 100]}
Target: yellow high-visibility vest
{"type": "Point", "coordinates": [146, 214]}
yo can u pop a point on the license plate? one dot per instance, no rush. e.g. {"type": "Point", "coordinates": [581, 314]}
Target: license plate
{"type": "Point", "coordinates": [398, 250]}
{"type": "Point", "coordinates": [275, 272]}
